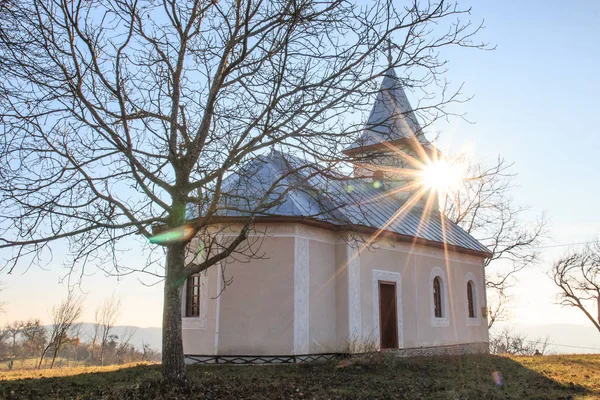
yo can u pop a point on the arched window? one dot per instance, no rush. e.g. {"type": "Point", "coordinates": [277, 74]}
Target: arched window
{"type": "Point", "coordinates": [470, 300]}
{"type": "Point", "coordinates": [437, 297]}
{"type": "Point", "coordinates": [192, 296]}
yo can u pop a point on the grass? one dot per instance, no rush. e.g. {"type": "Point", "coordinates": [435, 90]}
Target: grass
{"type": "Point", "coordinates": [375, 377]}
{"type": "Point", "coordinates": [31, 363]}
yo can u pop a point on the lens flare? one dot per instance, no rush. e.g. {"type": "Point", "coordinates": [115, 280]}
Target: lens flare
{"type": "Point", "coordinates": [179, 234]}
{"type": "Point", "coordinates": [498, 379]}
{"type": "Point", "coordinates": [442, 176]}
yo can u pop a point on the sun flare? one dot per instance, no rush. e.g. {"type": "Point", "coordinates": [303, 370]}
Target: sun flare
{"type": "Point", "coordinates": [442, 176]}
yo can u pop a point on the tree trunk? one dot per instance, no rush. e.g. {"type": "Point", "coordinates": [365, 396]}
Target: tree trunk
{"type": "Point", "coordinates": [44, 351]}
{"type": "Point", "coordinates": [173, 367]}
{"type": "Point", "coordinates": [56, 349]}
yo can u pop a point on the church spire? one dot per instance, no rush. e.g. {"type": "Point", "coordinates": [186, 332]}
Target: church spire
{"type": "Point", "coordinates": [392, 117]}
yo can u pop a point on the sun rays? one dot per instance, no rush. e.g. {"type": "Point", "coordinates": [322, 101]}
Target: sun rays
{"type": "Point", "coordinates": [428, 175]}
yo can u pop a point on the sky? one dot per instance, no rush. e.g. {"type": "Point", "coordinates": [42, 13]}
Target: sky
{"type": "Point", "coordinates": [535, 103]}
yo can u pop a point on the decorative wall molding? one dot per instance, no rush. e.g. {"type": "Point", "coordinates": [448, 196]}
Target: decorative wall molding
{"type": "Point", "coordinates": [200, 321]}
{"type": "Point", "coordinates": [301, 295]}
{"type": "Point", "coordinates": [421, 250]}
{"type": "Point", "coordinates": [445, 320]}
{"type": "Point", "coordinates": [306, 232]}
{"type": "Point", "coordinates": [476, 321]}
{"type": "Point", "coordinates": [416, 298]}
{"type": "Point", "coordinates": [323, 235]}
{"type": "Point", "coordinates": [218, 306]}
{"type": "Point", "coordinates": [354, 303]}
{"type": "Point", "coordinates": [388, 276]}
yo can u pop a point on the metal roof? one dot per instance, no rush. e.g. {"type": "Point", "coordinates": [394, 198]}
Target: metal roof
{"type": "Point", "coordinates": [335, 199]}
{"type": "Point", "coordinates": [392, 117]}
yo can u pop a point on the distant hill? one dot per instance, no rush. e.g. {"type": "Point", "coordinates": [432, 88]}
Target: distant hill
{"type": "Point", "coordinates": [565, 338]}
{"type": "Point", "coordinates": [151, 336]}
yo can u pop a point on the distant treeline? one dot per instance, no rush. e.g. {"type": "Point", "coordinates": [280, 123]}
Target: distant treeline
{"type": "Point", "coordinates": [64, 340]}
{"type": "Point", "coordinates": [29, 344]}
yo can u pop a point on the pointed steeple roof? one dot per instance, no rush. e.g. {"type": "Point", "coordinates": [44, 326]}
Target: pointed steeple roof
{"type": "Point", "coordinates": [392, 117]}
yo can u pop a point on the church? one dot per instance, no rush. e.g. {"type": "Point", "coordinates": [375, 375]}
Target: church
{"type": "Point", "coordinates": [392, 273]}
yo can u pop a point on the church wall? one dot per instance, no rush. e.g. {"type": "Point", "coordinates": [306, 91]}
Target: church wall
{"type": "Point", "coordinates": [458, 328]}
{"type": "Point", "coordinates": [256, 314]}
{"type": "Point", "coordinates": [341, 292]}
{"type": "Point", "coordinates": [385, 260]}
{"type": "Point", "coordinates": [199, 333]}
{"type": "Point", "coordinates": [322, 338]}
{"type": "Point", "coordinates": [415, 269]}
{"type": "Point", "coordinates": [257, 309]}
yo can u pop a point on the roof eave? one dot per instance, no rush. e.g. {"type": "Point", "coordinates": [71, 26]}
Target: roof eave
{"type": "Point", "coordinates": [350, 227]}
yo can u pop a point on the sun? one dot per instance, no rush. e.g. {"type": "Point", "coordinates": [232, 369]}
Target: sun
{"type": "Point", "coordinates": [442, 176]}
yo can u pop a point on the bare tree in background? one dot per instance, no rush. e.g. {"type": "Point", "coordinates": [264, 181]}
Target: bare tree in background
{"type": "Point", "coordinates": [2, 303]}
{"type": "Point", "coordinates": [118, 115]}
{"type": "Point", "coordinates": [65, 319]}
{"type": "Point", "coordinates": [124, 343]}
{"type": "Point", "coordinates": [577, 275]}
{"type": "Point", "coordinates": [484, 208]}
{"type": "Point", "coordinates": [105, 319]}
{"type": "Point", "coordinates": [34, 336]}
{"type": "Point", "coordinates": [509, 342]}
{"type": "Point", "coordinates": [12, 332]}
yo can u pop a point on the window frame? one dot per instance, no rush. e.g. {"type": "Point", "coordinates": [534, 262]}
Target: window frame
{"type": "Point", "coordinates": [444, 320]}
{"type": "Point", "coordinates": [438, 305]}
{"type": "Point", "coordinates": [192, 310]}
{"type": "Point", "coordinates": [472, 313]}
{"type": "Point", "coordinates": [477, 300]}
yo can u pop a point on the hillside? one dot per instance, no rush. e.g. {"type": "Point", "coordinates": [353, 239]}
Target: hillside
{"type": "Point", "coordinates": [150, 336]}
{"type": "Point", "coordinates": [562, 338]}
{"type": "Point", "coordinates": [375, 377]}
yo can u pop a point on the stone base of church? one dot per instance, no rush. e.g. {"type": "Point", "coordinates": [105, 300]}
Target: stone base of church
{"type": "Point", "coordinates": [448, 350]}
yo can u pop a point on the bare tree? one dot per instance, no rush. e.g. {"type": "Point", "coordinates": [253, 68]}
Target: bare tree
{"type": "Point", "coordinates": [64, 323]}
{"type": "Point", "coordinates": [105, 319]}
{"type": "Point", "coordinates": [509, 342]}
{"type": "Point", "coordinates": [123, 345]}
{"type": "Point", "coordinates": [482, 205]}
{"type": "Point", "coordinates": [118, 115]}
{"type": "Point", "coordinates": [12, 332]}
{"type": "Point", "coordinates": [2, 303]}
{"type": "Point", "coordinates": [577, 275]}
{"type": "Point", "coordinates": [34, 335]}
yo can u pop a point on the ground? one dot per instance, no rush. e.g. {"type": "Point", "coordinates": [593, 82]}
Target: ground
{"type": "Point", "coordinates": [374, 377]}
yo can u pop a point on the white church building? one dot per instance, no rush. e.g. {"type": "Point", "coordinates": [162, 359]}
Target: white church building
{"type": "Point", "coordinates": [391, 277]}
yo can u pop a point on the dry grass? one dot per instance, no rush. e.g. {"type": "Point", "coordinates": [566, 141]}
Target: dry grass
{"type": "Point", "coordinates": [572, 370]}
{"type": "Point", "coordinates": [377, 377]}
{"type": "Point", "coordinates": [32, 373]}
{"type": "Point", "coordinates": [31, 363]}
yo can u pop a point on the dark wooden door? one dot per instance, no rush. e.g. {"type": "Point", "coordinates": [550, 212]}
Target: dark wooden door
{"type": "Point", "coordinates": [388, 316]}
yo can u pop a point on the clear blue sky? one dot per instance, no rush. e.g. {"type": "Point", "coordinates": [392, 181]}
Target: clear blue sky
{"type": "Point", "coordinates": [536, 103]}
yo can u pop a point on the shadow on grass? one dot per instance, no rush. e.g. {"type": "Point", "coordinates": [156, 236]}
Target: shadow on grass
{"type": "Point", "coordinates": [383, 377]}
{"type": "Point", "coordinates": [85, 385]}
